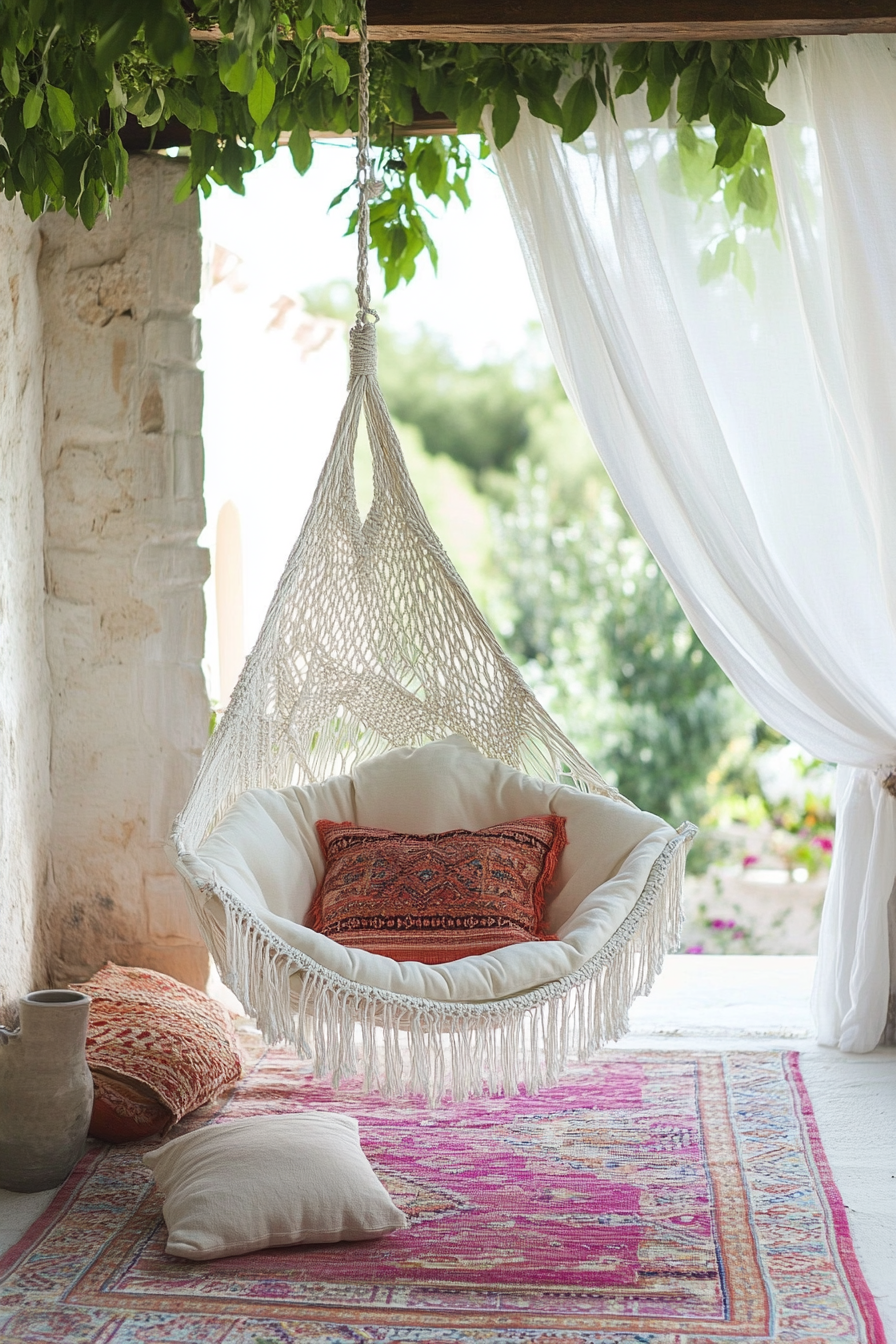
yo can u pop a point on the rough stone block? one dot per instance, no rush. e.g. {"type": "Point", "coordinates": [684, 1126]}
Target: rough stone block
{"type": "Point", "coordinates": [175, 271]}
{"type": "Point", "coordinates": [181, 636]}
{"type": "Point", "coordinates": [183, 398]}
{"type": "Point", "coordinates": [170, 784]}
{"type": "Point", "coordinates": [151, 482]}
{"type": "Point", "coordinates": [170, 340]}
{"type": "Point", "coordinates": [171, 564]}
{"type": "Point", "coordinates": [172, 693]}
{"type": "Point", "coordinates": [72, 631]}
{"type": "Point", "coordinates": [189, 466]}
{"type": "Point", "coordinates": [83, 496]}
{"type": "Point", "coordinates": [188, 963]}
{"type": "Point", "coordinates": [94, 295]}
{"type": "Point", "coordinates": [90, 575]}
{"type": "Point", "coordinates": [169, 916]}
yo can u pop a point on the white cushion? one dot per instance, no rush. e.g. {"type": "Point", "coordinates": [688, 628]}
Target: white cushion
{"type": "Point", "coordinates": [274, 1180]}
{"type": "Point", "coordinates": [267, 852]}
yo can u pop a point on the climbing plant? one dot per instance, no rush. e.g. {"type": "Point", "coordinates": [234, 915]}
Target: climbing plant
{"type": "Point", "coordinates": [239, 74]}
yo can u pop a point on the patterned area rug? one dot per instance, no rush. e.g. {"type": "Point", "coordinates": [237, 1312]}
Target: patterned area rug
{"type": "Point", "coordinates": [650, 1198]}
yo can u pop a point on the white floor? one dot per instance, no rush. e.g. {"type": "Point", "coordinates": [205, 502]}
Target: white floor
{"type": "Point", "coordinates": [749, 1003]}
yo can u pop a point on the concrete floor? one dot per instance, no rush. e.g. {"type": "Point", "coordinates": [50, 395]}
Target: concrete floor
{"type": "Point", "coordinates": [751, 1003]}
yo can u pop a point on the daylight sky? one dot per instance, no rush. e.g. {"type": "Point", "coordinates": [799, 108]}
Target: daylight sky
{"type": "Point", "coordinates": [281, 228]}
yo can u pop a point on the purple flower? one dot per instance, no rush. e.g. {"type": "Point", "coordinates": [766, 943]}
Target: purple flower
{"type": "Point", "coordinates": [823, 842]}
{"type": "Point", "coordinates": [718, 924]}
{"type": "Point", "coordinates": [750, 859]}
{"type": "Point", "coordinates": [738, 933]}
{"type": "Point", "coordinates": [694, 951]}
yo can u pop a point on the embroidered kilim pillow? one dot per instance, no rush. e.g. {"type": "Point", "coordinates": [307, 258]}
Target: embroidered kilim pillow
{"type": "Point", "coordinates": [436, 898]}
{"type": "Point", "coordinates": [174, 1040]}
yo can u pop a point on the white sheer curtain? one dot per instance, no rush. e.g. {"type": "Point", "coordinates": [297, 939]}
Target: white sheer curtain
{"type": "Point", "coordinates": [753, 437]}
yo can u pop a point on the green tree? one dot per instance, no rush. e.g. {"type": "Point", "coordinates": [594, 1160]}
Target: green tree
{"type": "Point", "coordinates": [477, 416]}
{"type": "Point", "coordinates": [602, 638]}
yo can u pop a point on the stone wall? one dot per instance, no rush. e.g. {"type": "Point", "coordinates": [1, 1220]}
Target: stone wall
{"type": "Point", "coordinates": [125, 617]}
{"type": "Point", "coordinates": [24, 684]}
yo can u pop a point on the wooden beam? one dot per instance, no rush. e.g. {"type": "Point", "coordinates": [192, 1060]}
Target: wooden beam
{"type": "Point", "coordinates": [545, 21]}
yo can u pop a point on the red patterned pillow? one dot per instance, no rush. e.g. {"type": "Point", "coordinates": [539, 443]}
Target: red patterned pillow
{"type": "Point", "coordinates": [435, 898]}
{"type": "Point", "coordinates": [125, 1111]}
{"type": "Point", "coordinates": [149, 1028]}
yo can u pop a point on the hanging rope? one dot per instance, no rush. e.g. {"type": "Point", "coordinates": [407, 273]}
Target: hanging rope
{"type": "Point", "coordinates": [368, 189]}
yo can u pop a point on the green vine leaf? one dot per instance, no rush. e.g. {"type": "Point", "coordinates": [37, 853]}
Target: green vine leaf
{"type": "Point", "coordinates": [61, 109]}
{"type": "Point", "coordinates": [168, 36]}
{"type": "Point", "coordinates": [579, 108]}
{"type": "Point", "coordinates": [694, 84]}
{"type": "Point", "coordinates": [429, 170]}
{"type": "Point", "coordinates": [470, 103]}
{"type": "Point", "coordinates": [118, 26]}
{"type": "Point", "coordinates": [10, 74]}
{"type": "Point", "coordinates": [659, 95]}
{"type": "Point", "coordinates": [33, 106]}
{"type": "Point", "coordinates": [506, 112]}
{"type": "Point", "coordinates": [629, 81]}
{"type": "Point", "coordinates": [757, 108]}
{"type": "Point", "coordinates": [300, 147]}
{"type": "Point", "coordinates": [53, 176]}
{"type": "Point", "coordinates": [262, 95]}
{"type": "Point", "coordinates": [237, 68]}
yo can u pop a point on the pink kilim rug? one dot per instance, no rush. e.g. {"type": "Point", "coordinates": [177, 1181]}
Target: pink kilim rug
{"type": "Point", "coordinates": [649, 1198]}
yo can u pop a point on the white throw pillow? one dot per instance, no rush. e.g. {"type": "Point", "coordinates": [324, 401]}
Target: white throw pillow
{"type": "Point", "coordinates": [273, 1180]}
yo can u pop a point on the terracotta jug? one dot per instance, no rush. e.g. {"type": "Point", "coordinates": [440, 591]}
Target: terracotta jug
{"type": "Point", "coordinates": [46, 1091]}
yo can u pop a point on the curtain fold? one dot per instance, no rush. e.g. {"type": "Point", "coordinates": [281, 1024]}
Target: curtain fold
{"type": "Point", "coordinates": [746, 413]}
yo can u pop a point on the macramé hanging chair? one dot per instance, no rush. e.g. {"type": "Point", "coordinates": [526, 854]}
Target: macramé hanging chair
{"type": "Point", "coordinates": [376, 693]}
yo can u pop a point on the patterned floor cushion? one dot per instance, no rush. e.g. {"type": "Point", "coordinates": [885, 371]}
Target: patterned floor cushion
{"type": "Point", "coordinates": [170, 1041]}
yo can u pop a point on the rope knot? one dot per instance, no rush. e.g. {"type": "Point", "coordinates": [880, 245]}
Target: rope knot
{"type": "Point", "coordinates": [370, 188]}
{"type": "Point", "coordinates": [362, 348]}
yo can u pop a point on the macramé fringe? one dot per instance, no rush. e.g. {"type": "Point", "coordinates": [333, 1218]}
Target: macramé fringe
{"type": "Point", "coordinates": [412, 1046]}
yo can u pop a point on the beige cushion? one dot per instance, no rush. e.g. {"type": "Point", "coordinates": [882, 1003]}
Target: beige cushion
{"type": "Point", "coordinates": [267, 852]}
{"type": "Point", "coordinates": [274, 1180]}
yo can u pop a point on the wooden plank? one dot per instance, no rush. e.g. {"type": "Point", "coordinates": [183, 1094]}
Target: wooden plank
{"type": "Point", "coordinates": [547, 21]}
{"type": "Point", "coordinates": [625, 32]}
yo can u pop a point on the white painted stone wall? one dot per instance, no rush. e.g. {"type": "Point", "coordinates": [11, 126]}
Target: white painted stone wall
{"type": "Point", "coordinates": [24, 683]}
{"type": "Point", "coordinates": [125, 617]}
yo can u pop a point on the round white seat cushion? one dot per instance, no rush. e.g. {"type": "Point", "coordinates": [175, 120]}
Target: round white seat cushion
{"type": "Point", "coordinates": [266, 851]}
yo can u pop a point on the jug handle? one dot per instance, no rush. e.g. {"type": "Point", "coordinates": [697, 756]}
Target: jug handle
{"type": "Point", "coordinates": [7, 1035]}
